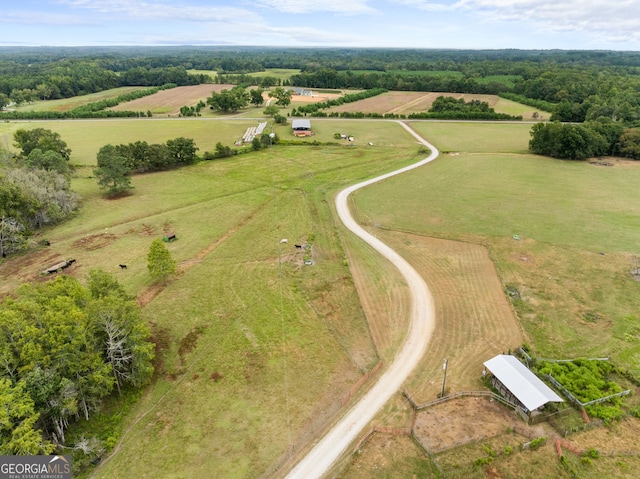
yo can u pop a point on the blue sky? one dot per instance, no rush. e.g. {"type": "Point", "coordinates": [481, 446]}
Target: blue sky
{"type": "Point", "coordinates": [476, 24]}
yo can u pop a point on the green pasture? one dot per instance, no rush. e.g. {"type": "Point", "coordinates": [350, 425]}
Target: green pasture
{"type": "Point", "coordinates": [278, 73]}
{"type": "Point", "coordinates": [518, 109]}
{"type": "Point", "coordinates": [476, 137]}
{"type": "Point", "coordinates": [576, 224]}
{"type": "Point", "coordinates": [66, 104]}
{"type": "Point", "coordinates": [509, 80]}
{"type": "Point", "coordinates": [242, 305]}
{"type": "Point", "coordinates": [211, 73]}
{"type": "Point", "coordinates": [86, 137]}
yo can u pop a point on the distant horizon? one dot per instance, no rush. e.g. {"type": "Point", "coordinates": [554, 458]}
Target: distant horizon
{"type": "Point", "coordinates": [311, 47]}
{"type": "Point", "coordinates": [394, 24]}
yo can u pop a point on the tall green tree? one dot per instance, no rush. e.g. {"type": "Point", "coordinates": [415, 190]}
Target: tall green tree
{"type": "Point", "coordinates": [182, 151]}
{"type": "Point", "coordinates": [43, 139]}
{"type": "Point", "coordinates": [282, 96]}
{"type": "Point", "coordinates": [49, 161]}
{"type": "Point", "coordinates": [113, 172]}
{"type": "Point", "coordinates": [229, 100]}
{"type": "Point", "coordinates": [18, 422]}
{"type": "Point", "coordinates": [256, 96]}
{"type": "Point", "coordinates": [159, 261]}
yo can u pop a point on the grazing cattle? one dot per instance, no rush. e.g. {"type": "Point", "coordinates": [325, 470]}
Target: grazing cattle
{"type": "Point", "coordinates": [56, 268]}
{"type": "Point", "coordinates": [123, 266]}
{"type": "Point", "coordinates": [298, 246]}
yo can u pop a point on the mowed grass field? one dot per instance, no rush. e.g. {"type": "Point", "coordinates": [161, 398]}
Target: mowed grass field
{"type": "Point", "coordinates": [242, 304]}
{"type": "Point", "coordinates": [67, 104]}
{"type": "Point", "coordinates": [576, 224]}
{"type": "Point", "coordinates": [215, 325]}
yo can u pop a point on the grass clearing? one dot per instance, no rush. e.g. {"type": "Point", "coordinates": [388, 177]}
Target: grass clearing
{"type": "Point", "coordinates": [66, 104]}
{"type": "Point", "coordinates": [217, 403]}
{"type": "Point", "coordinates": [576, 226]}
{"type": "Point", "coordinates": [219, 323]}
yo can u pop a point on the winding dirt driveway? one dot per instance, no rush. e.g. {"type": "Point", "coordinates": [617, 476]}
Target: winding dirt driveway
{"type": "Point", "coordinates": [327, 451]}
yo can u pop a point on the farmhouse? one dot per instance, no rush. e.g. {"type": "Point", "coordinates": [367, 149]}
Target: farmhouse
{"type": "Point", "coordinates": [301, 127]}
{"type": "Point", "coordinates": [518, 384]}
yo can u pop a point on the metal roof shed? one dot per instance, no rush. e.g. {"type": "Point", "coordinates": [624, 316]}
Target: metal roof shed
{"type": "Point", "coordinates": [525, 386]}
{"type": "Point", "coordinates": [301, 124]}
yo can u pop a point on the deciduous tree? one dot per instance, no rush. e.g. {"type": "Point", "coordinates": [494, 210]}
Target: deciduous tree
{"type": "Point", "coordinates": [282, 96]}
{"type": "Point", "coordinates": [43, 139]}
{"type": "Point", "coordinates": [113, 172]}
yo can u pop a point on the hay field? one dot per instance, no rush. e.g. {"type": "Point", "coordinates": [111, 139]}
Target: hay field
{"type": "Point", "coordinates": [168, 102]}
{"type": "Point", "coordinates": [405, 103]}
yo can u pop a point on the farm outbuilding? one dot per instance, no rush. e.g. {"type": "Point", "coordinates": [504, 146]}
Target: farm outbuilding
{"type": "Point", "coordinates": [301, 127]}
{"type": "Point", "coordinates": [302, 91]}
{"type": "Point", "coordinates": [518, 384]}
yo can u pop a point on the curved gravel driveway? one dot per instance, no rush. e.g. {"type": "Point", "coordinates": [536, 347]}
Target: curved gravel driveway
{"type": "Point", "coordinates": [327, 451]}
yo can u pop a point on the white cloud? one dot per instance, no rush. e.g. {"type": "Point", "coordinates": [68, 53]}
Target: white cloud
{"type": "Point", "coordinates": [141, 10]}
{"type": "Point", "coordinates": [606, 20]}
{"type": "Point", "coordinates": [346, 7]}
{"type": "Point", "coordinates": [43, 18]}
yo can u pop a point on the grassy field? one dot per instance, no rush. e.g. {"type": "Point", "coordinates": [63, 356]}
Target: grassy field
{"type": "Point", "coordinates": [576, 224]}
{"type": "Point", "coordinates": [243, 303]}
{"type": "Point", "coordinates": [67, 104]}
{"type": "Point", "coordinates": [85, 138]}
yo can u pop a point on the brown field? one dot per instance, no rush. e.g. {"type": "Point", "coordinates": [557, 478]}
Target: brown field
{"type": "Point", "coordinates": [475, 320]}
{"type": "Point", "coordinates": [169, 101]}
{"type": "Point", "coordinates": [404, 103]}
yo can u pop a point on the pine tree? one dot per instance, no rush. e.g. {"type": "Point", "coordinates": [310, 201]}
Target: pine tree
{"type": "Point", "coordinates": [159, 261]}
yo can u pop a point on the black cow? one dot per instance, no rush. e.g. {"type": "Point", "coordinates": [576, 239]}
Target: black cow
{"type": "Point", "coordinates": [123, 266]}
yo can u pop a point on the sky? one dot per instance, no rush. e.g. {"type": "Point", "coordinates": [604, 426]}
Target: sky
{"type": "Point", "coordinates": [461, 24]}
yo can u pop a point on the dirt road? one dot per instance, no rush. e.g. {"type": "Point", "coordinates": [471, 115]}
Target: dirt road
{"type": "Point", "coordinates": [327, 451]}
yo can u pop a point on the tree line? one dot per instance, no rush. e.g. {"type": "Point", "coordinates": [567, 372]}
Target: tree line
{"type": "Point", "coordinates": [573, 85]}
{"type": "Point", "coordinates": [602, 137]}
{"type": "Point", "coordinates": [34, 187]}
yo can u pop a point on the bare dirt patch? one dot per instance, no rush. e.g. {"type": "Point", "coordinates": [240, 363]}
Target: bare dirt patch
{"type": "Point", "coordinates": [463, 420]}
{"type": "Point", "coordinates": [94, 242]}
{"type": "Point", "coordinates": [169, 101]}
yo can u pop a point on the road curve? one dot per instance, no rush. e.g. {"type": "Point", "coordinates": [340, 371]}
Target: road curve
{"type": "Point", "coordinates": [327, 451]}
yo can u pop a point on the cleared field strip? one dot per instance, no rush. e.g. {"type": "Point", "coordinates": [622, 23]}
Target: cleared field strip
{"type": "Point", "coordinates": [327, 450]}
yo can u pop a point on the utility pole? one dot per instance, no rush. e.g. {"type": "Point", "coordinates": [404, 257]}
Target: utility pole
{"type": "Point", "coordinates": [444, 380]}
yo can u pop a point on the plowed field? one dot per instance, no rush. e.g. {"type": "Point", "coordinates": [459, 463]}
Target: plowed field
{"type": "Point", "coordinates": [169, 101]}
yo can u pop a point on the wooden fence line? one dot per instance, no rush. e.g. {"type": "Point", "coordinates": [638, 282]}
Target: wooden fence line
{"type": "Point", "coordinates": [449, 397]}
{"type": "Point", "coordinates": [360, 382]}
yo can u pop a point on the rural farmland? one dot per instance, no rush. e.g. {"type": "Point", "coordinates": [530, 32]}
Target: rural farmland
{"type": "Point", "coordinates": [276, 314]}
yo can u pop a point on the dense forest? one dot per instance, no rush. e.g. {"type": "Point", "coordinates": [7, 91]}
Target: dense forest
{"type": "Point", "coordinates": [574, 85]}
